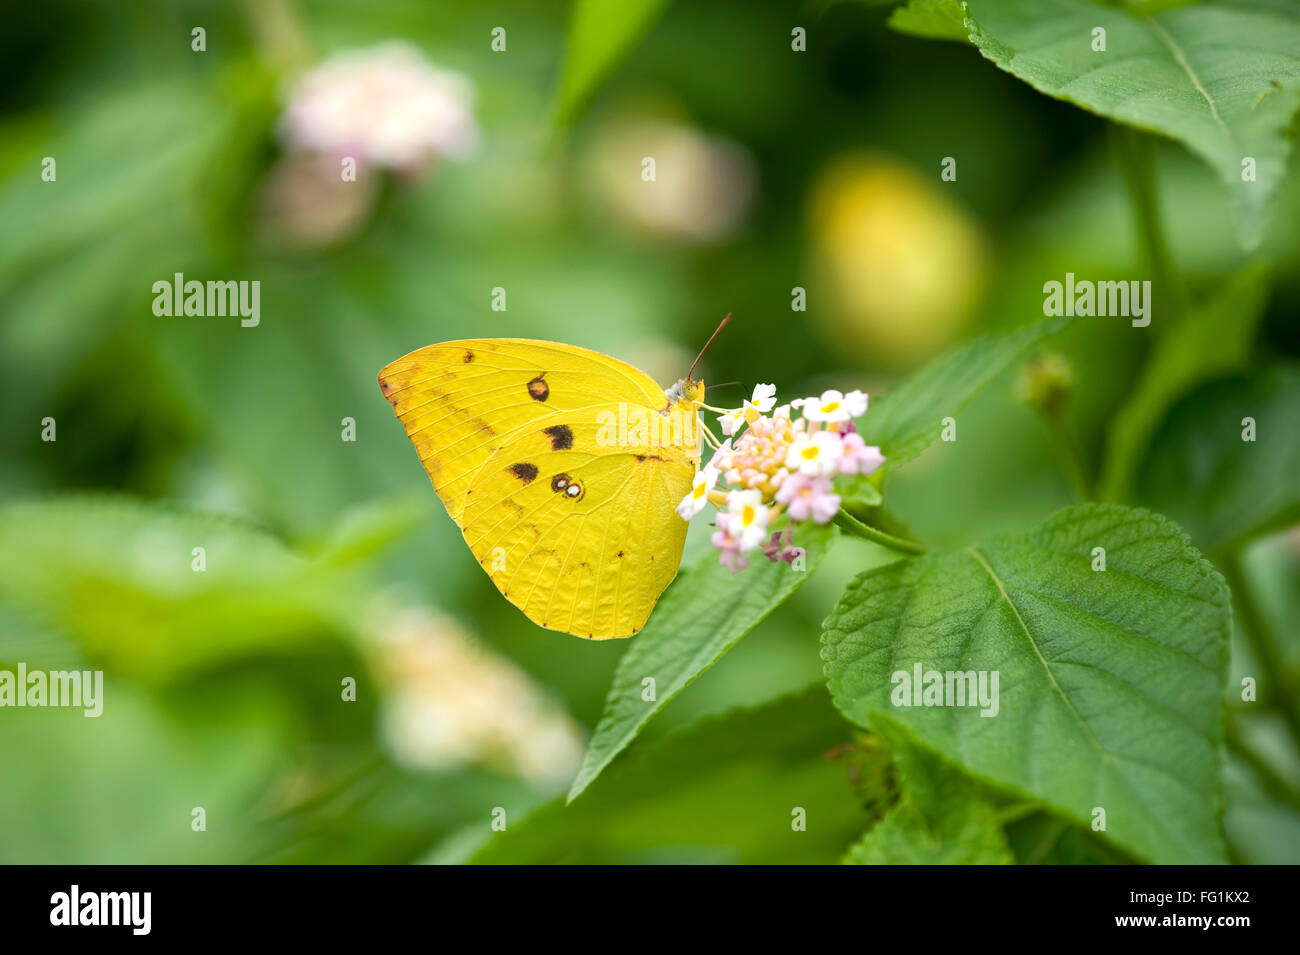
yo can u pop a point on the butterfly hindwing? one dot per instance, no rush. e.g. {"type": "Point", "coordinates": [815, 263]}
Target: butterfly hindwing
{"type": "Point", "coordinates": [576, 531]}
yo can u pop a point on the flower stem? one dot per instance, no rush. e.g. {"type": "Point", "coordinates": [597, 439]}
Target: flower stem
{"type": "Point", "coordinates": [1070, 453]}
{"type": "Point", "coordinates": [851, 525]}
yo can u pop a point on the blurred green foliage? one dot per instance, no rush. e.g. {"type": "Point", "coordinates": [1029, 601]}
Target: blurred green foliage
{"type": "Point", "coordinates": [222, 689]}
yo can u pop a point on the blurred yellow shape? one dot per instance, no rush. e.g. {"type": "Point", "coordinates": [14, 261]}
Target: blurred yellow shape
{"type": "Point", "coordinates": [903, 263]}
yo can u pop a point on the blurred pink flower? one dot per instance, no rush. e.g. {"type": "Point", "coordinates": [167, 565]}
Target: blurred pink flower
{"type": "Point", "coordinates": [385, 105]}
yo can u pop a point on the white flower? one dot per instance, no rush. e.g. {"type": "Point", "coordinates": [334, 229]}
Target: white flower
{"type": "Point", "coordinates": [386, 104]}
{"type": "Point", "coordinates": [732, 420]}
{"type": "Point", "coordinates": [833, 406]}
{"type": "Point", "coordinates": [748, 518]}
{"type": "Point", "coordinates": [698, 496]}
{"type": "Point", "coordinates": [764, 399]}
{"type": "Point", "coordinates": [815, 454]}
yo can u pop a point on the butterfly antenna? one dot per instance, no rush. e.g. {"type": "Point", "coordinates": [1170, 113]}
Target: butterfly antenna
{"type": "Point", "coordinates": [721, 326]}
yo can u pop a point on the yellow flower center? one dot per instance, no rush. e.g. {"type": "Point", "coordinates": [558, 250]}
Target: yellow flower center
{"type": "Point", "coordinates": [831, 406]}
{"type": "Point", "coordinates": [810, 452]}
{"type": "Point", "coordinates": [747, 515]}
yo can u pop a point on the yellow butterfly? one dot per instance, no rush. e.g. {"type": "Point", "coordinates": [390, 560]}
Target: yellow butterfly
{"type": "Point", "coordinates": [562, 468]}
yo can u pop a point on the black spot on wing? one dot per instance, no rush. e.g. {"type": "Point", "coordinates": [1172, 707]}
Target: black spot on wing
{"type": "Point", "coordinates": [538, 389]}
{"type": "Point", "coordinates": [561, 437]}
{"type": "Point", "coordinates": [524, 471]}
{"type": "Point", "coordinates": [467, 357]}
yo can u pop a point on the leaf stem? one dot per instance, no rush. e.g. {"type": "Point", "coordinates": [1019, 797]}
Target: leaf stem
{"type": "Point", "coordinates": [1135, 152]}
{"type": "Point", "coordinates": [1050, 838]}
{"type": "Point", "coordinates": [1016, 811]}
{"type": "Point", "coordinates": [851, 525]}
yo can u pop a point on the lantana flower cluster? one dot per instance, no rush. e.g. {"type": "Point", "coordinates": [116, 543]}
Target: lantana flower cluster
{"type": "Point", "coordinates": [773, 463]}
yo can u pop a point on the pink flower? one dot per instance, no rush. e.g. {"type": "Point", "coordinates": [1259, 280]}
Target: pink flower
{"type": "Point", "coordinates": [774, 465]}
{"type": "Point", "coordinates": [809, 497]}
{"type": "Point", "coordinates": [858, 457]}
{"type": "Point", "coordinates": [758, 459]}
{"type": "Point", "coordinates": [386, 104]}
{"type": "Point", "coordinates": [775, 551]}
{"type": "Point", "coordinates": [729, 547]}
{"type": "Point", "coordinates": [732, 560]}
{"type": "Point", "coordinates": [721, 456]}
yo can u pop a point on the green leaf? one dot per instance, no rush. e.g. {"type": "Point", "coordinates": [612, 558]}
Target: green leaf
{"type": "Point", "coordinates": [700, 617]}
{"type": "Point", "coordinates": [931, 19]}
{"type": "Point", "coordinates": [910, 418]}
{"type": "Point", "coordinates": [1260, 817]}
{"type": "Point", "coordinates": [381, 814]}
{"type": "Point", "coordinates": [123, 155]}
{"type": "Point", "coordinates": [1201, 472]}
{"type": "Point", "coordinates": [120, 788]}
{"type": "Point", "coordinates": [943, 817]}
{"type": "Point", "coordinates": [1041, 838]}
{"type": "Point", "coordinates": [860, 495]}
{"type": "Point", "coordinates": [1109, 681]}
{"type": "Point", "coordinates": [1215, 338]}
{"type": "Point", "coordinates": [119, 577]}
{"type": "Point", "coordinates": [601, 31]}
{"type": "Point", "coordinates": [1222, 78]}
{"type": "Point", "coordinates": [722, 790]}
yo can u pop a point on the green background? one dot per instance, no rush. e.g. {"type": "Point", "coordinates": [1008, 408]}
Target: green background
{"type": "Point", "coordinates": [175, 432]}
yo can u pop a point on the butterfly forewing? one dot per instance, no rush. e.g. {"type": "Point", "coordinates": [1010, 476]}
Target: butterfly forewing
{"type": "Point", "coordinates": [460, 401]}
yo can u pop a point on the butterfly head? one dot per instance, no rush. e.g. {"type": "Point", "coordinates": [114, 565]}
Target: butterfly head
{"type": "Point", "coordinates": [686, 391]}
